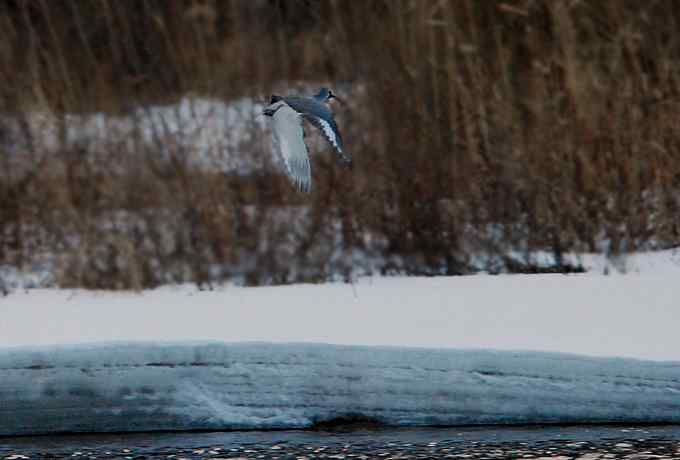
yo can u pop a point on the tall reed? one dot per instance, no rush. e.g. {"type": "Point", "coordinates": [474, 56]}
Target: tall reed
{"type": "Point", "coordinates": [477, 128]}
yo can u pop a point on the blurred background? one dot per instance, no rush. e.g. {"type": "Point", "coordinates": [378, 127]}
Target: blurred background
{"type": "Point", "coordinates": [494, 136]}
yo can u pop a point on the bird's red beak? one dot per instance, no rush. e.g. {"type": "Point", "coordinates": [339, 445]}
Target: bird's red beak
{"type": "Point", "coordinates": [338, 99]}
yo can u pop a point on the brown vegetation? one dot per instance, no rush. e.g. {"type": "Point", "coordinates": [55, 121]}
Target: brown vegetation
{"type": "Point", "coordinates": [476, 126]}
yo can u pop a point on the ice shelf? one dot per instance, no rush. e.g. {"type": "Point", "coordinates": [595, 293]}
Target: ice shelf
{"type": "Point", "coordinates": [181, 386]}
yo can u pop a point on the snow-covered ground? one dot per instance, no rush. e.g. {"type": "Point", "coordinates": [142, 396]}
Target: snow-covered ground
{"type": "Point", "coordinates": [635, 316]}
{"type": "Point", "coordinates": [210, 133]}
{"type": "Point", "coordinates": [401, 350]}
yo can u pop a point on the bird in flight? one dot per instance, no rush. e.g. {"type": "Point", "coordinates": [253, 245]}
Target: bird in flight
{"type": "Point", "coordinates": [288, 113]}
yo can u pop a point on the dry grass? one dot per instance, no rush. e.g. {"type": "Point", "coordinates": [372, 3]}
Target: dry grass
{"type": "Point", "coordinates": [476, 126]}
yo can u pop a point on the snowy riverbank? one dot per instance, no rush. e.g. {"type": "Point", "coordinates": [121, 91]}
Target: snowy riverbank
{"type": "Point", "coordinates": [402, 351]}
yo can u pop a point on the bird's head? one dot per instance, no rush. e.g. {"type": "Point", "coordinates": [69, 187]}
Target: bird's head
{"type": "Point", "coordinates": [325, 95]}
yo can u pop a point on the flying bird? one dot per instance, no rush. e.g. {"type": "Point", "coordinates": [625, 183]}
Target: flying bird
{"type": "Point", "coordinates": [288, 113]}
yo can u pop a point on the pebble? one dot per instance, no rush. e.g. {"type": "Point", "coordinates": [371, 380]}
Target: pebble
{"type": "Point", "coordinates": [368, 448]}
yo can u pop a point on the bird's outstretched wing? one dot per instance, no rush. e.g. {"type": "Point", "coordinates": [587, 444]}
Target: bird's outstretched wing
{"type": "Point", "coordinates": [330, 131]}
{"type": "Point", "coordinates": [289, 141]}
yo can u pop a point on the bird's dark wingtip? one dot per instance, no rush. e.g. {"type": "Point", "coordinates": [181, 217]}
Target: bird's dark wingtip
{"type": "Point", "coordinates": [305, 188]}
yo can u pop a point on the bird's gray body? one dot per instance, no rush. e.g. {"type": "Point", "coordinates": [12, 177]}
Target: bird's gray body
{"type": "Point", "coordinates": [287, 113]}
{"type": "Point", "coordinates": [316, 111]}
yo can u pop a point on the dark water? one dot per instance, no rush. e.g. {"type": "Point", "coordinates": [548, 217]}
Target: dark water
{"type": "Point", "coordinates": [586, 442]}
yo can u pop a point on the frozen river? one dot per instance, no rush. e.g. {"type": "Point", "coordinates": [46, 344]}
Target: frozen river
{"type": "Point", "coordinates": [217, 386]}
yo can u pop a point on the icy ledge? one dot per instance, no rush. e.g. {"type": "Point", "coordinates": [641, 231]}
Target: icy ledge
{"type": "Point", "coordinates": [133, 387]}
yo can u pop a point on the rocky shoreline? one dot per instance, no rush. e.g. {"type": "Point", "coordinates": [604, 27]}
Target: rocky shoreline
{"type": "Point", "coordinates": [350, 447]}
